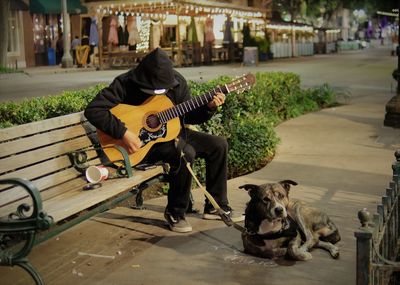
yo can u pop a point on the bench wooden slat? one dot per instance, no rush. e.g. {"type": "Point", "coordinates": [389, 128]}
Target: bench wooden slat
{"type": "Point", "coordinates": [35, 156]}
{"type": "Point", "coordinates": [72, 202]}
{"type": "Point", "coordinates": [43, 168]}
{"type": "Point", "coordinates": [68, 199]}
{"type": "Point", "coordinates": [54, 191]}
{"type": "Point", "coordinates": [40, 126]}
{"type": "Point", "coordinates": [60, 177]}
{"type": "Point", "coordinates": [42, 139]}
{"type": "Point", "coordinates": [42, 184]}
{"type": "Point", "coordinates": [13, 194]}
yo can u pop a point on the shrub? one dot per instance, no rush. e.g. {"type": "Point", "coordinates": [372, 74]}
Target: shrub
{"type": "Point", "coordinates": [324, 95]}
{"type": "Point", "coordinates": [248, 119]}
{"type": "Point", "coordinates": [4, 69]}
{"type": "Point", "coordinates": [252, 143]}
{"type": "Point", "coordinates": [41, 108]}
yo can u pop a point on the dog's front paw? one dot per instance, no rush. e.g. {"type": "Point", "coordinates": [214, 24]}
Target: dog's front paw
{"type": "Point", "coordinates": [334, 252]}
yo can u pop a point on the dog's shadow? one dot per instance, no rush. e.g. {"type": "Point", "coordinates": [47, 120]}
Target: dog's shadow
{"type": "Point", "coordinates": [285, 262]}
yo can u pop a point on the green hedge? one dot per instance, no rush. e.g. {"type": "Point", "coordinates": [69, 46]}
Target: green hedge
{"type": "Point", "coordinates": [40, 108]}
{"type": "Point", "coordinates": [4, 69]}
{"type": "Point", "coordinates": [247, 120]}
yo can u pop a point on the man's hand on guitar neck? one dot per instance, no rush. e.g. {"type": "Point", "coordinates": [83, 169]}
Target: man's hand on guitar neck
{"type": "Point", "coordinates": [219, 99]}
{"type": "Point", "coordinates": [132, 142]}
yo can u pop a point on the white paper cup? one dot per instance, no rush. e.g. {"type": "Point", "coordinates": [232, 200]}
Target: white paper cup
{"type": "Point", "coordinates": [95, 174]}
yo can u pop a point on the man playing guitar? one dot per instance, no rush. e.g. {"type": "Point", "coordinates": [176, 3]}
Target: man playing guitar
{"type": "Point", "coordinates": [152, 78]}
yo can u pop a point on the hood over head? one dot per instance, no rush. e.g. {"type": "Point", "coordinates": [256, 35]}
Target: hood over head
{"type": "Point", "coordinates": [155, 71]}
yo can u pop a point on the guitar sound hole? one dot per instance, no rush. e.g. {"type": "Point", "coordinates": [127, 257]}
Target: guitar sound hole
{"type": "Point", "coordinates": [152, 121]}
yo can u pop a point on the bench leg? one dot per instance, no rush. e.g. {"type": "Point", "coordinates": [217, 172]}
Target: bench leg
{"type": "Point", "coordinates": [31, 270]}
{"type": "Point", "coordinates": [138, 190]}
{"type": "Point", "coordinates": [25, 222]}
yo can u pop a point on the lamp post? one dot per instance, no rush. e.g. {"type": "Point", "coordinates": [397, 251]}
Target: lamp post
{"type": "Point", "coordinates": [66, 60]}
{"type": "Point", "coordinates": [392, 117]}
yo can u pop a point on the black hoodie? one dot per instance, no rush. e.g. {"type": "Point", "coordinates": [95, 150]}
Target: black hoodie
{"type": "Point", "coordinates": [155, 71]}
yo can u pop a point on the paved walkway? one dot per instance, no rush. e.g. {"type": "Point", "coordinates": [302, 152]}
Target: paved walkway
{"type": "Point", "coordinates": [341, 157]}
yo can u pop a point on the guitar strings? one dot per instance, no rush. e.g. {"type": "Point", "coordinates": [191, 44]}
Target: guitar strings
{"type": "Point", "coordinates": [180, 109]}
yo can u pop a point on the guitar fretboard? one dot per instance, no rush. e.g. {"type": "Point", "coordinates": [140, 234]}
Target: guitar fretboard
{"type": "Point", "coordinates": [187, 106]}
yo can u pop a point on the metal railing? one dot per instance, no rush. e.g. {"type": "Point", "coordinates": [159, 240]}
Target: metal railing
{"type": "Point", "coordinates": [281, 49]}
{"type": "Point", "coordinates": [378, 240]}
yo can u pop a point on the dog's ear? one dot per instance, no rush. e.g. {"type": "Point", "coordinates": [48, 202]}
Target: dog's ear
{"type": "Point", "coordinates": [286, 184]}
{"type": "Point", "coordinates": [250, 188]}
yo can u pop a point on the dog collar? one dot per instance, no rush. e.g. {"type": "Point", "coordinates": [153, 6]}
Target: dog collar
{"type": "Point", "coordinates": [289, 229]}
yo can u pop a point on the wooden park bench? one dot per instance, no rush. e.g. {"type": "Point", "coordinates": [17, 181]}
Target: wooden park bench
{"type": "Point", "coordinates": [42, 183]}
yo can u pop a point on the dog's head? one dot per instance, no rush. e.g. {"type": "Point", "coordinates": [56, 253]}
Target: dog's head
{"type": "Point", "coordinates": [267, 208]}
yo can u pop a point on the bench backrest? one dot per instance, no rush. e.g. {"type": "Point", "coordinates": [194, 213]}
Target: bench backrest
{"type": "Point", "coordinates": [38, 152]}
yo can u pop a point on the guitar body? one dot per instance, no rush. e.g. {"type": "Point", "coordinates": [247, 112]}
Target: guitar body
{"type": "Point", "coordinates": [135, 119]}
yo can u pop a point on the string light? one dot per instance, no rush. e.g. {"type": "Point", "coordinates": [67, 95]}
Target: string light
{"type": "Point", "coordinates": [187, 9]}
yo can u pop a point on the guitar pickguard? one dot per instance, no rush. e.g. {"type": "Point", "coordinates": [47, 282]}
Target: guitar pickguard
{"type": "Point", "coordinates": [145, 136]}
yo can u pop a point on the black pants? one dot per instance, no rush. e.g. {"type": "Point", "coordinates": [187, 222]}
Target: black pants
{"type": "Point", "coordinates": [212, 148]}
{"type": "Point", "coordinates": [74, 57]}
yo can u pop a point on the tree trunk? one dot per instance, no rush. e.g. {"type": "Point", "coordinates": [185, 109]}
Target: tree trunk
{"type": "Point", "coordinates": [4, 12]}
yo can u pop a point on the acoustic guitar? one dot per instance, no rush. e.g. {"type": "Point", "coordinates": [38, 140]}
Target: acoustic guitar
{"type": "Point", "coordinates": [157, 119]}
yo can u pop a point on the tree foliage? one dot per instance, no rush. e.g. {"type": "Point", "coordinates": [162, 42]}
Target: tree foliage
{"type": "Point", "coordinates": [302, 9]}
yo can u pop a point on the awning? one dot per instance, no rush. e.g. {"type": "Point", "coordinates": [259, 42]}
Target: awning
{"type": "Point", "coordinates": [54, 7]}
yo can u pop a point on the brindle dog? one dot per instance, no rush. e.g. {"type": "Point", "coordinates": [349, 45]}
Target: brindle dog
{"type": "Point", "coordinates": [277, 226]}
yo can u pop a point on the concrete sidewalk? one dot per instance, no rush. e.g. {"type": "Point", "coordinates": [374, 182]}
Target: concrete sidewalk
{"type": "Point", "coordinates": [341, 157]}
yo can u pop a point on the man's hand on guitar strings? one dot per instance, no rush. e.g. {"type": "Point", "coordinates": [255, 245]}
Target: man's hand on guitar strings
{"type": "Point", "coordinates": [132, 142]}
{"type": "Point", "coordinates": [219, 99]}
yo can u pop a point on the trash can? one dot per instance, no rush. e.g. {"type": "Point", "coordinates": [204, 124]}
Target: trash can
{"type": "Point", "coordinates": [51, 56]}
{"type": "Point", "coordinates": [250, 56]}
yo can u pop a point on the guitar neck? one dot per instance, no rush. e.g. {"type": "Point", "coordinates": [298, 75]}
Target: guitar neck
{"type": "Point", "coordinates": [190, 105]}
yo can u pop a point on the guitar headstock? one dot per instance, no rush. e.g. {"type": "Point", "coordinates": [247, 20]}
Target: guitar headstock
{"type": "Point", "coordinates": [242, 83]}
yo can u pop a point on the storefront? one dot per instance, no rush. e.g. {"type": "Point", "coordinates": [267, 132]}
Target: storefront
{"type": "Point", "coordinates": [16, 48]}
{"type": "Point", "coordinates": [191, 32]}
{"type": "Point", "coordinates": [47, 26]}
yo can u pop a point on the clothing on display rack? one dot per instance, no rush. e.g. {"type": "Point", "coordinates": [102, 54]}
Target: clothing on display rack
{"type": "Point", "coordinates": [94, 35]}
{"type": "Point", "coordinates": [113, 34]}
{"type": "Point", "coordinates": [134, 37]}
{"type": "Point", "coordinates": [155, 34]}
{"type": "Point", "coordinates": [228, 37]}
{"type": "Point", "coordinates": [209, 30]}
{"type": "Point", "coordinates": [123, 35]}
